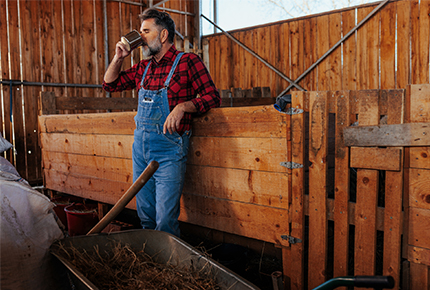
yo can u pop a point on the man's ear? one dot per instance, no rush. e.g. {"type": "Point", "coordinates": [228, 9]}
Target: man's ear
{"type": "Point", "coordinates": [164, 35]}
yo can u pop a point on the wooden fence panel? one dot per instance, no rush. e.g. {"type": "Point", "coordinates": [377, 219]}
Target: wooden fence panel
{"type": "Point", "coordinates": [323, 35]}
{"type": "Point", "coordinates": [403, 50]}
{"type": "Point", "coordinates": [349, 77]}
{"type": "Point", "coordinates": [318, 151]}
{"type": "Point", "coordinates": [388, 45]}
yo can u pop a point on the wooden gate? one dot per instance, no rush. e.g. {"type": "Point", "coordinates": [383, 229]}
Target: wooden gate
{"type": "Point", "coordinates": [346, 202]}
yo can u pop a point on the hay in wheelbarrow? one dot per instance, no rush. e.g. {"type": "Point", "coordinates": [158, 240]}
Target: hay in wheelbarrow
{"type": "Point", "coordinates": [158, 248]}
{"type": "Point", "coordinates": [124, 268]}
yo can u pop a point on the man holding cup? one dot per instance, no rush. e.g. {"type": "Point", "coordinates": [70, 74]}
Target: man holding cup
{"type": "Point", "coordinates": [168, 85]}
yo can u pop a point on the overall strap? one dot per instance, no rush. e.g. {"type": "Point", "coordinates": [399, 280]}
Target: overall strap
{"type": "Point", "coordinates": [144, 74]}
{"type": "Point", "coordinates": [172, 70]}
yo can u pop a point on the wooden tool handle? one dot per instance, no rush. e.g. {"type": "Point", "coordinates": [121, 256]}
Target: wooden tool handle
{"type": "Point", "coordinates": [126, 198]}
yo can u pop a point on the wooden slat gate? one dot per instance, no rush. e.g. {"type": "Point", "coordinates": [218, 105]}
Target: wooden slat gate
{"type": "Point", "coordinates": [346, 202]}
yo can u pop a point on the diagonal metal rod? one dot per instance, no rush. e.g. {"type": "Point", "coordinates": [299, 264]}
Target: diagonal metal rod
{"type": "Point", "coordinates": [336, 45]}
{"type": "Point", "coordinates": [256, 55]}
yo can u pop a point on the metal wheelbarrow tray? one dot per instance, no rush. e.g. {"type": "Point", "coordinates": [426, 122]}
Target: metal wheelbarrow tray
{"type": "Point", "coordinates": [163, 247]}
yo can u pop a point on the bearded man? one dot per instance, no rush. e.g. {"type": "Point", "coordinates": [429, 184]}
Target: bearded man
{"type": "Point", "coordinates": [168, 84]}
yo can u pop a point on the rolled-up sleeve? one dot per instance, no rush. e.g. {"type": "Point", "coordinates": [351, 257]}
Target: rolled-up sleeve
{"type": "Point", "coordinates": [125, 81]}
{"type": "Point", "coordinates": [203, 85]}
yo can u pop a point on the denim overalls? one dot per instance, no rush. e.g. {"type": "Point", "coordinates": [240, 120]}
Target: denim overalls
{"type": "Point", "coordinates": [158, 201]}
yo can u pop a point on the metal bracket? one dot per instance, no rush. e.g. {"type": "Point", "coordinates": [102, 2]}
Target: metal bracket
{"type": "Point", "coordinates": [290, 239]}
{"type": "Point", "coordinates": [293, 111]}
{"type": "Point", "coordinates": [291, 165]}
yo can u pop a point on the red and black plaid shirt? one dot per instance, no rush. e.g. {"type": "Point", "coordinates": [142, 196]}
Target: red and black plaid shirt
{"type": "Point", "coordinates": [191, 78]}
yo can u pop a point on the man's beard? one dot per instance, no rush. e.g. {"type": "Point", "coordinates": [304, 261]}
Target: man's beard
{"type": "Point", "coordinates": [151, 49]}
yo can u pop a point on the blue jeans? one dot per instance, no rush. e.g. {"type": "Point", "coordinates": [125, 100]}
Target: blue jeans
{"type": "Point", "coordinates": [158, 202]}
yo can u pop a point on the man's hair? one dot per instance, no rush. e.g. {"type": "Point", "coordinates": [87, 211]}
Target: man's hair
{"type": "Point", "coordinates": [162, 19]}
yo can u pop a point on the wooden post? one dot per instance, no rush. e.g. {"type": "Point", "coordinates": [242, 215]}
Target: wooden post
{"type": "Point", "coordinates": [367, 194]}
{"type": "Point", "coordinates": [318, 151]}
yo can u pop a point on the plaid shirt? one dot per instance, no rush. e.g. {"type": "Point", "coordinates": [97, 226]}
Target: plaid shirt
{"type": "Point", "coordinates": [191, 78]}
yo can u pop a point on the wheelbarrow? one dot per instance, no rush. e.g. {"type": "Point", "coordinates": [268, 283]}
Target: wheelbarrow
{"type": "Point", "coordinates": [164, 248]}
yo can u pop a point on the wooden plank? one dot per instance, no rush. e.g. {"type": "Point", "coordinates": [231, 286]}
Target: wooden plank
{"type": "Point", "coordinates": [403, 42]}
{"type": "Point", "coordinates": [296, 264]}
{"type": "Point", "coordinates": [250, 186]}
{"type": "Point", "coordinates": [318, 147]}
{"type": "Point", "coordinates": [376, 158]}
{"type": "Point", "coordinates": [368, 50]}
{"type": "Point", "coordinates": [424, 38]}
{"type": "Point", "coordinates": [284, 63]}
{"type": "Point", "coordinates": [93, 103]}
{"type": "Point", "coordinates": [102, 190]}
{"type": "Point", "coordinates": [87, 144]}
{"type": "Point", "coordinates": [419, 105]}
{"type": "Point", "coordinates": [244, 219]}
{"type": "Point", "coordinates": [110, 168]}
{"type": "Point", "coordinates": [99, 48]}
{"type": "Point", "coordinates": [419, 222]}
{"type": "Point", "coordinates": [113, 18]}
{"type": "Point", "coordinates": [31, 55]}
{"type": "Point", "coordinates": [393, 197]}
{"type": "Point", "coordinates": [260, 122]}
{"type": "Point", "coordinates": [341, 213]}
{"type": "Point", "coordinates": [419, 276]}
{"type": "Point", "coordinates": [419, 189]}
{"type": "Point", "coordinates": [419, 255]}
{"type": "Point", "coordinates": [309, 40]}
{"type": "Point", "coordinates": [243, 102]}
{"type": "Point", "coordinates": [99, 123]}
{"type": "Point", "coordinates": [367, 196]}
{"type": "Point", "coordinates": [410, 134]}
{"type": "Point", "coordinates": [388, 43]}
{"type": "Point", "coordinates": [419, 157]}
{"type": "Point", "coordinates": [296, 35]}
{"type": "Point", "coordinates": [335, 58]}
{"type": "Point", "coordinates": [349, 78]}
{"type": "Point", "coordinates": [323, 68]}
{"type": "Point", "coordinates": [242, 153]}
{"type": "Point", "coordinates": [20, 142]}
{"type": "Point", "coordinates": [89, 59]}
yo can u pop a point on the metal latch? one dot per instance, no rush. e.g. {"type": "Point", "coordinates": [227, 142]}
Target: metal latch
{"type": "Point", "coordinates": [291, 165]}
{"type": "Point", "coordinates": [293, 111]}
{"type": "Point", "coordinates": [290, 239]}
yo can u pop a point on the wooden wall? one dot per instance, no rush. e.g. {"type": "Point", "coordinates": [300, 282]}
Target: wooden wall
{"type": "Point", "coordinates": [390, 51]}
{"type": "Point", "coordinates": [60, 41]}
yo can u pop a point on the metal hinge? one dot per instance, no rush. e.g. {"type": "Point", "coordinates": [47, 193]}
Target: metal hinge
{"type": "Point", "coordinates": [291, 165]}
{"type": "Point", "coordinates": [293, 111]}
{"type": "Point", "coordinates": [290, 239]}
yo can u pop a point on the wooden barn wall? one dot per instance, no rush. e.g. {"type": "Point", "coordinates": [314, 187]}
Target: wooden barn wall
{"type": "Point", "coordinates": [390, 51]}
{"type": "Point", "coordinates": [60, 41]}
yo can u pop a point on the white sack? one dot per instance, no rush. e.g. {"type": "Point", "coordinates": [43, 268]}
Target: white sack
{"type": "Point", "coordinates": [28, 228]}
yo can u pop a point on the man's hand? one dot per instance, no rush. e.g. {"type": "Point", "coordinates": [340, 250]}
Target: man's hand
{"type": "Point", "coordinates": [120, 51]}
{"type": "Point", "coordinates": [173, 120]}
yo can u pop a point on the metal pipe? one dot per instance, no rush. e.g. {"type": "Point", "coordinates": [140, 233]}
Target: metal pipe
{"type": "Point", "coordinates": [106, 40]}
{"type": "Point", "coordinates": [128, 2]}
{"type": "Point", "coordinates": [25, 83]}
{"type": "Point", "coordinates": [160, 3]}
{"type": "Point", "coordinates": [256, 55]}
{"type": "Point", "coordinates": [176, 11]}
{"type": "Point", "coordinates": [335, 46]}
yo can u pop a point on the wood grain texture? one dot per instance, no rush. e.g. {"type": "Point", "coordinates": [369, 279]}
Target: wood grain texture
{"type": "Point", "coordinates": [419, 188]}
{"type": "Point", "coordinates": [296, 264]}
{"type": "Point", "coordinates": [250, 186]}
{"type": "Point", "coordinates": [376, 158]}
{"type": "Point", "coordinates": [419, 219]}
{"type": "Point", "coordinates": [249, 220]}
{"type": "Point", "coordinates": [367, 194]}
{"type": "Point", "coordinates": [341, 213]}
{"type": "Point", "coordinates": [318, 150]}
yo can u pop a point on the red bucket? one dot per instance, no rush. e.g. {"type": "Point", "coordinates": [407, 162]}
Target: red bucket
{"type": "Point", "coordinates": [81, 218]}
{"type": "Point", "coordinates": [60, 203]}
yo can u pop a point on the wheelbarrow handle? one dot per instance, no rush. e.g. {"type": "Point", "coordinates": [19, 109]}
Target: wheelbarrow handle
{"type": "Point", "coordinates": [126, 198]}
{"type": "Point", "coordinates": [378, 282]}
